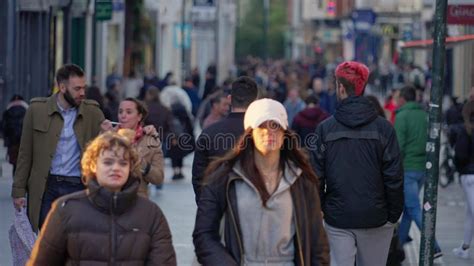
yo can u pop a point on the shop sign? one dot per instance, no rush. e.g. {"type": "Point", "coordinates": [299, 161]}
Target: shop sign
{"type": "Point", "coordinates": [389, 30]}
{"type": "Point", "coordinates": [461, 14]}
{"type": "Point", "coordinates": [103, 9]}
{"type": "Point", "coordinates": [363, 19]}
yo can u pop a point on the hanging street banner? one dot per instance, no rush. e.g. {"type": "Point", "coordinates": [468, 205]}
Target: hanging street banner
{"type": "Point", "coordinates": [178, 39]}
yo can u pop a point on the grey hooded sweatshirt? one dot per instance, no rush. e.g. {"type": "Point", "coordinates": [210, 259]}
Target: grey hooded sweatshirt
{"type": "Point", "coordinates": [267, 232]}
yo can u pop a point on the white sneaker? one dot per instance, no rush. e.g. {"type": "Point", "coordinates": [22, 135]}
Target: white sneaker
{"type": "Point", "coordinates": [438, 258]}
{"type": "Point", "coordinates": [438, 261]}
{"type": "Point", "coordinates": [462, 253]}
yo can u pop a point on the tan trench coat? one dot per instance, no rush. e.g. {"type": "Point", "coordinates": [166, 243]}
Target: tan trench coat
{"type": "Point", "coordinates": [152, 162]}
{"type": "Point", "coordinates": [42, 127]}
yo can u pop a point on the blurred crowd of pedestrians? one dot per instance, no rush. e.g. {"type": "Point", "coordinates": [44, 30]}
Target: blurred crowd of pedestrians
{"type": "Point", "coordinates": [348, 138]}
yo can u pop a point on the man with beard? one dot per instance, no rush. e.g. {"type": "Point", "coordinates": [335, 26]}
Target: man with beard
{"type": "Point", "coordinates": [55, 132]}
{"type": "Point", "coordinates": [357, 159]}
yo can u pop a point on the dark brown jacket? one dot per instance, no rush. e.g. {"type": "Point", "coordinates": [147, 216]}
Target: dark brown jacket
{"type": "Point", "coordinates": [98, 227]}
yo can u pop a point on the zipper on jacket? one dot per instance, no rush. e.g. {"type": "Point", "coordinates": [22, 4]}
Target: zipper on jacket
{"type": "Point", "coordinates": [298, 236]}
{"type": "Point", "coordinates": [241, 247]}
{"type": "Point", "coordinates": [113, 234]}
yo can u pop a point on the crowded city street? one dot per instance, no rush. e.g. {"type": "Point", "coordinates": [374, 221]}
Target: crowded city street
{"type": "Point", "coordinates": [237, 132]}
{"type": "Point", "coordinates": [177, 202]}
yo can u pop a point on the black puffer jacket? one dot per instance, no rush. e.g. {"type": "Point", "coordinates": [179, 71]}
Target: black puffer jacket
{"type": "Point", "coordinates": [357, 158]}
{"type": "Point", "coordinates": [98, 227]}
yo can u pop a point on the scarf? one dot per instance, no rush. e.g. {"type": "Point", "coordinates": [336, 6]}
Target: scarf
{"type": "Point", "coordinates": [138, 134]}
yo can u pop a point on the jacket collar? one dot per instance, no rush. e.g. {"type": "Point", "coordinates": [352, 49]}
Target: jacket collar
{"type": "Point", "coordinates": [236, 115]}
{"type": "Point", "coordinates": [113, 202]}
{"type": "Point", "coordinates": [355, 111]}
{"type": "Point", "coordinates": [53, 106]}
{"type": "Point", "coordinates": [291, 172]}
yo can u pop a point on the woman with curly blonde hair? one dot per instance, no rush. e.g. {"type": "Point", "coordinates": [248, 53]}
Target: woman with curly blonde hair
{"type": "Point", "coordinates": [108, 222]}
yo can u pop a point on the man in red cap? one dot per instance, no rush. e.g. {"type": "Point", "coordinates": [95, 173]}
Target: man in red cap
{"type": "Point", "coordinates": [357, 158]}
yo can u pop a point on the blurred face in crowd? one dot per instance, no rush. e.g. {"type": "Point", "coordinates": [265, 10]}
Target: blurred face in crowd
{"type": "Point", "coordinates": [189, 84]}
{"type": "Point", "coordinates": [73, 90]}
{"type": "Point", "coordinates": [113, 168]}
{"type": "Point", "coordinates": [317, 85]}
{"type": "Point", "coordinates": [396, 96]}
{"type": "Point", "coordinates": [293, 76]}
{"type": "Point", "coordinates": [400, 101]}
{"type": "Point", "coordinates": [222, 107]}
{"type": "Point", "coordinates": [268, 137]}
{"type": "Point", "coordinates": [293, 94]}
{"type": "Point", "coordinates": [332, 85]}
{"type": "Point", "coordinates": [128, 115]}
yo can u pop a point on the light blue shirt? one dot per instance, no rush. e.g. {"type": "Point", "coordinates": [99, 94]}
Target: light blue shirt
{"type": "Point", "coordinates": [66, 160]}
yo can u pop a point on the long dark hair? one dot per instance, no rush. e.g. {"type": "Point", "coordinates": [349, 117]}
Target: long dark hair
{"type": "Point", "coordinates": [468, 115]}
{"type": "Point", "coordinates": [244, 152]}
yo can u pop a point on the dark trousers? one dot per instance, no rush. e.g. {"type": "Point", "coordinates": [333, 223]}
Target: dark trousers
{"type": "Point", "coordinates": [55, 188]}
{"type": "Point", "coordinates": [176, 162]}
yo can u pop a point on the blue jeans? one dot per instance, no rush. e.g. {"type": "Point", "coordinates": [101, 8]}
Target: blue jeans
{"type": "Point", "coordinates": [412, 184]}
{"type": "Point", "coordinates": [54, 190]}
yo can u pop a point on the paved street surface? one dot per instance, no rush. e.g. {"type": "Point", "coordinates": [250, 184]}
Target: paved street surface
{"type": "Point", "coordinates": [449, 228]}
{"type": "Point", "coordinates": [177, 201]}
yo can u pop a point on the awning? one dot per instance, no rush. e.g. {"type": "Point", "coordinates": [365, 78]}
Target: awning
{"type": "Point", "coordinates": [427, 43]}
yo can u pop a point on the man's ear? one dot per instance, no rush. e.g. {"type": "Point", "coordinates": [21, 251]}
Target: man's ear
{"type": "Point", "coordinates": [341, 88]}
{"type": "Point", "coordinates": [229, 98]}
{"type": "Point", "coordinates": [62, 87]}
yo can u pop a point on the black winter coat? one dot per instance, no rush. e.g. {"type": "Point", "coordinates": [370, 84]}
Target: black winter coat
{"type": "Point", "coordinates": [183, 134]}
{"type": "Point", "coordinates": [161, 118]}
{"type": "Point", "coordinates": [214, 141]}
{"type": "Point", "coordinates": [12, 123]}
{"type": "Point", "coordinates": [357, 158]}
{"type": "Point", "coordinates": [219, 200]}
{"type": "Point", "coordinates": [464, 153]}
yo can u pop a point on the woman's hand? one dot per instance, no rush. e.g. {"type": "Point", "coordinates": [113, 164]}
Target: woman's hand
{"type": "Point", "coordinates": [106, 125]}
{"type": "Point", "coordinates": [150, 130]}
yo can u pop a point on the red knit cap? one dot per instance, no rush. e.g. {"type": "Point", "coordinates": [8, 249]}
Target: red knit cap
{"type": "Point", "coordinates": [354, 72]}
